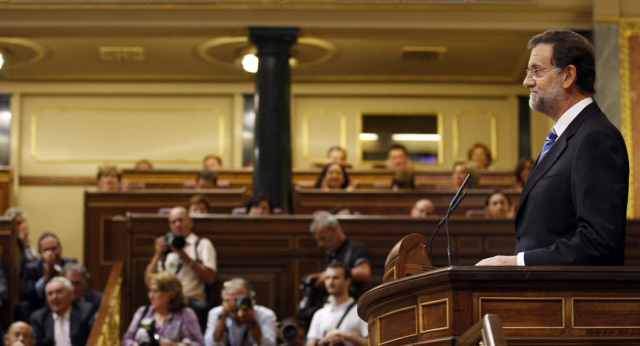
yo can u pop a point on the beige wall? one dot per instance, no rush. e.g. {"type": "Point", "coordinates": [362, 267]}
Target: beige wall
{"type": "Point", "coordinates": [70, 129]}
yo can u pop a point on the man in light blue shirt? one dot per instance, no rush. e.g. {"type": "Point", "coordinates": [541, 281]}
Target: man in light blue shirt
{"type": "Point", "coordinates": [239, 321]}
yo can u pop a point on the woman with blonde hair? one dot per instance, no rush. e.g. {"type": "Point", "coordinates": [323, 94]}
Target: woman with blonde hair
{"type": "Point", "coordinates": [167, 320]}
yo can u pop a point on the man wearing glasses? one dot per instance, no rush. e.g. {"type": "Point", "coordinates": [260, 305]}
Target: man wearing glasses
{"type": "Point", "coordinates": [573, 205]}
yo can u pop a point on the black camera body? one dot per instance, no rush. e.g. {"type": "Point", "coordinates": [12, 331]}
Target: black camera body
{"type": "Point", "coordinates": [288, 333]}
{"type": "Point", "coordinates": [151, 338]}
{"type": "Point", "coordinates": [244, 303]}
{"type": "Point", "coordinates": [177, 242]}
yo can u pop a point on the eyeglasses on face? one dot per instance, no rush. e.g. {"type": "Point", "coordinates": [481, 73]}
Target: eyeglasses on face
{"type": "Point", "coordinates": [535, 72]}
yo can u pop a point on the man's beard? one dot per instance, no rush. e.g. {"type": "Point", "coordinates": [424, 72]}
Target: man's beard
{"type": "Point", "coordinates": [547, 102]}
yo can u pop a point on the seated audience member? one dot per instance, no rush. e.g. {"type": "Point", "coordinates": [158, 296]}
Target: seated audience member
{"type": "Point", "coordinates": [206, 180]}
{"type": "Point", "coordinates": [498, 205]}
{"type": "Point", "coordinates": [398, 158]}
{"type": "Point", "coordinates": [336, 154]}
{"type": "Point", "coordinates": [199, 205]}
{"type": "Point", "coordinates": [37, 273]}
{"type": "Point", "coordinates": [19, 334]}
{"type": "Point", "coordinates": [480, 155]}
{"type": "Point", "coordinates": [423, 208]}
{"type": "Point", "coordinates": [194, 262]}
{"type": "Point", "coordinates": [403, 180]}
{"type": "Point", "coordinates": [108, 179]}
{"type": "Point", "coordinates": [239, 320]}
{"type": "Point", "coordinates": [337, 323]}
{"type": "Point", "coordinates": [342, 210]}
{"type": "Point", "coordinates": [259, 205]}
{"type": "Point", "coordinates": [62, 321]}
{"type": "Point", "coordinates": [27, 253]}
{"type": "Point", "coordinates": [79, 277]}
{"type": "Point", "coordinates": [167, 318]}
{"type": "Point", "coordinates": [143, 165]}
{"type": "Point", "coordinates": [460, 172]}
{"type": "Point", "coordinates": [522, 171]}
{"type": "Point", "coordinates": [212, 163]}
{"type": "Point", "coordinates": [333, 176]}
{"type": "Point", "coordinates": [329, 236]}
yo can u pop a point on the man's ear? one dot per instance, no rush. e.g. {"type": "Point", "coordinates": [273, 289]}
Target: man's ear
{"type": "Point", "coordinates": [569, 76]}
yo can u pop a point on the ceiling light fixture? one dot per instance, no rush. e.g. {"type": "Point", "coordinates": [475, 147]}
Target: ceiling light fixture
{"type": "Point", "coordinates": [250, 62]}
{"type": "Point", "coordinates": [368, 136]}
{"type": "Point", "coordinates": [1, 59]}
{"type": "Point", "coordinates": [415, 137]}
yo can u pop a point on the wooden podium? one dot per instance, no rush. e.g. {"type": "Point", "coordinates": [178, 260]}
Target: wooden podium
{"type": "Point", "coordinates": [537, 305]}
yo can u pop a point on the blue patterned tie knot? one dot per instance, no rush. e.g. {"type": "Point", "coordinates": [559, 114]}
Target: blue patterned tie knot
{"type": "Point", "coordinates": [551, 138]}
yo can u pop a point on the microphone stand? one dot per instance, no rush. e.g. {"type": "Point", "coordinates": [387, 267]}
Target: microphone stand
{"type": "Point", "coordinates": [455, 202]}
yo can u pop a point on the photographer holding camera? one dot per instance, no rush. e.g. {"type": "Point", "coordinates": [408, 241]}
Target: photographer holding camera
{"type": "Point", "coordinates": [188, 257]}
{"type": "Point", "coordinates": [238, 321]}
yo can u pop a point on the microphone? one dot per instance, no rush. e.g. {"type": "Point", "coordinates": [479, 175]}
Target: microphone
{"type": "Point", "coordinates": [455, 202]}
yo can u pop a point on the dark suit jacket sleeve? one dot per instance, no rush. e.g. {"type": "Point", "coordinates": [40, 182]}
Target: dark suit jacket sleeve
{"type": "Point", "coordinates": [81, 322]}
{"type": "Point", "coordinates": [42, 327]}
{"type": "Point", "coordinates": [599, 189]}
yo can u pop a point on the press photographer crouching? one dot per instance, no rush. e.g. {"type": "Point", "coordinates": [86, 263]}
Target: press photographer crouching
{"type": "Point", "coordinates": [190, 258]}
{"type": "Point", "coordinates": [239, 321]}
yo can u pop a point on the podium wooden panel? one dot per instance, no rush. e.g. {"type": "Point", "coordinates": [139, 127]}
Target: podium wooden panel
{"type": "Point", "coordinates": [537, 305]}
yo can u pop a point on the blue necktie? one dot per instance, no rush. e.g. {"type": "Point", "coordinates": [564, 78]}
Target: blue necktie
{"type": "Point", "coordinates": [551, 138]}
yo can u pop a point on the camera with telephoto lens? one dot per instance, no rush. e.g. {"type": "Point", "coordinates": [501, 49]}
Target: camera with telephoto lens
{"type": "Point", "coordinates": [288, 333]}
{"type": "Point", "coordinates": [176, 241]}
{"type": "Point", "coordinates": [244, 303]}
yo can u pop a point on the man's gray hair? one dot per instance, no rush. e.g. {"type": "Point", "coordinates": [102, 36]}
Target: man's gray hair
{"type": "Point", "coordinates": [235, 283]}
{"type": "Point", "coordinates": [15, 211]}
{"type": "Point", "coordinates": [76, 268]}
{"type": "Point", "coordinates": [324, 220]}
{"type": "Point", "coordinates": [62, 279]}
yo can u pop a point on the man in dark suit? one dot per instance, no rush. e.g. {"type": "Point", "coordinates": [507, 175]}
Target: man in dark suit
{"type": "Point", "coordinates": [37, 273]}
{"type": "Point", "coordinates": [62, 322]}
{"type": "Point", "coordinates": [573, 205]}
{"type": "Point", "coordinates": [79, 276]}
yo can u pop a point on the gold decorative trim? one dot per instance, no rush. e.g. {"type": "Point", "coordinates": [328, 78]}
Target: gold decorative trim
{"type": "Point", "coordinates": [17, 58]}
{"type": "Point", "coordinates": [446, 301]}
{"type": "Point", "coordinates": [625, 31]}
{"type": "Point", "coordinates": [573, 324]}
{"type": "Point", "coordinates": [494, 133]}
{"type": "Point", "coordinates": [439, 116]}
{"type": "Point", "coordinates": [41, 110]}
{"type": "Point", "coordinates": [415, 310]}
{"type": "Point", "coordinates": [390, 273]}
{"type": "Point", "coordinates": [306, 131]}
{"type": "Point", "coordinates": [241, 43]}
{"type": "Point", "coordinates": [562, 299]}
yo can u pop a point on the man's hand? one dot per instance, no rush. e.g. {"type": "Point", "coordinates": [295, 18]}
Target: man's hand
{"type": "Point", "coordinates": [160, 246]}
{"type": "Point", "coordinates": [49, 263]}
{"type": "Point", "coordinates": [23, 234]}
{"type": "Point", "coordinates": [333, 337]}
{"type": "Point", "coordinates": [499, 261]}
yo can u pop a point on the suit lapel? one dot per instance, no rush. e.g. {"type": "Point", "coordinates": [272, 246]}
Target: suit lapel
{"type": "Point", "coordinates": [48, 327]}
{"type": "Point", "coordinates": [541, 167]}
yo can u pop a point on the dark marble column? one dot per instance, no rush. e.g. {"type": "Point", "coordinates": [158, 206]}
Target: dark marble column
{"type": "Point", "coordinates": [272, 149]}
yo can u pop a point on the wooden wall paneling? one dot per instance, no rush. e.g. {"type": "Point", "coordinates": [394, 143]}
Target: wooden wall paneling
{"type": "Point", "coordinates": [276, 251]}
{"type": "Point", "coordinates": [99, 242]}
{"type": "Point", "coordinates": [10, 256]}
{"type": "Point", "coordinates": [6, 188]}
{"type": "Point", "coordinates": [386, 202]}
